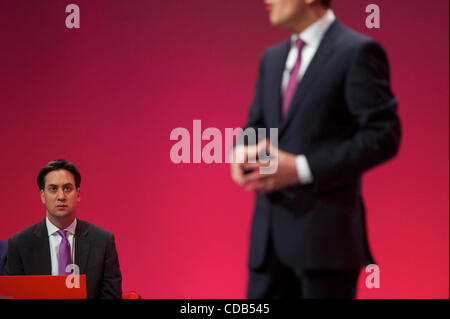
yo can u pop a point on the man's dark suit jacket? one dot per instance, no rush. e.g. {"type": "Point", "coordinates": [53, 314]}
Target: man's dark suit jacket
{"type": "Point", "coordinates": [343, 118]}
{"type": "Point", "coordinates": [95, 254]}
{"type": "Point", "coordinates": [3, 249]}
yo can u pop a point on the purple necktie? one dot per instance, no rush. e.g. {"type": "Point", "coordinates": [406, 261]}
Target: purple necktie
{"type": "Point", "coordinates": [293, 79]}
{"type": "Point", "coordinates": [64, 255]}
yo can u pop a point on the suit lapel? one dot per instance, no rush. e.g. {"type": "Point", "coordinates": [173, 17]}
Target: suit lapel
{"type": "Point", "coordinates": [43, 258]}
{"type": "Point", "coordinates": [311, 74]}
{"type": "Point", "coordinates": [274, 100]}
{"type": "Point", "coordinates": [82, 246]}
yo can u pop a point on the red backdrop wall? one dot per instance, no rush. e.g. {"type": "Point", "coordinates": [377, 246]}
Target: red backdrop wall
{"type": "Point", "coordinates": [107, 96]}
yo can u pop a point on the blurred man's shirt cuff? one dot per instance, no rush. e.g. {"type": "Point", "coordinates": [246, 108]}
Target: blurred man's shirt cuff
{"type": "Point", "coordinates": [303, 171]}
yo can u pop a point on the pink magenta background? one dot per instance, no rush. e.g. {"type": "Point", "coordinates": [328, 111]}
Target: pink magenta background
{"type": "Point", "coordinates": [107, 96]}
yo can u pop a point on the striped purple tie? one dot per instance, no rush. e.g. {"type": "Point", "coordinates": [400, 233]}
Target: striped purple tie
{"type": "Point", "coordinates": [64, 255]}
{"type": "Point", "coordinates": [293, 79]}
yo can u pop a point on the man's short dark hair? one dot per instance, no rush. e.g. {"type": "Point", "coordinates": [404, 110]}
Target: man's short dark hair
{"type": "Point", "coordinates": [57, 165]}
{"type": "Point", "coordinates": [326, 3]}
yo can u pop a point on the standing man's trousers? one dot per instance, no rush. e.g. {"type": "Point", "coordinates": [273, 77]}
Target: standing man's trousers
{"type": "Point", "coordinates": [277, 281]}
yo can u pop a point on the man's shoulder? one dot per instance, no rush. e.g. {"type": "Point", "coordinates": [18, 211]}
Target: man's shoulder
{"type": "Point", "coordinates": [28, 233]}
{"type": "Point", "coordinates": [278, 48]}
{"type": "Point", "coordinates": [352, 39]}
{"type": "Point", "coordinates": [348, 45]}
{"type": "Point", "coordinates": [345, 39]}
{"type": "Point", "coordinates": [93, 230]}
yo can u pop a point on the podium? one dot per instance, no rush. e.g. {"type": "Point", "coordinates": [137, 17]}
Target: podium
{"type": "Point", "coordinates": [41, 287]}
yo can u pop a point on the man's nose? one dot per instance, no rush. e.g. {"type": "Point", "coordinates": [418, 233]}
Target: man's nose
{"type": "Point", "coordinates": [61, 195]}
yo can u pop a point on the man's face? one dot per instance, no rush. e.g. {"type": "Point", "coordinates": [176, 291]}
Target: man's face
{"type": "Point", "coordinates": [60, 194]}
{"type": "Point", "coordinates": [285, 13]}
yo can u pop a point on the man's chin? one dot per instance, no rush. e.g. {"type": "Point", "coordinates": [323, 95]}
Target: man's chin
{"type": "Point", "coordinates": [274, 22]}
{"type": "Point", "coordinates": [60, 214]}
{"type": "Point", "coordinates": [278, 23]}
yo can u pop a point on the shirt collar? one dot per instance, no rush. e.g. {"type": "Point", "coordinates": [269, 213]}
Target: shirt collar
{"type": "Point", "coordinates": [53, 229]}
{"type": "Point", "coordinates": [313, 34]}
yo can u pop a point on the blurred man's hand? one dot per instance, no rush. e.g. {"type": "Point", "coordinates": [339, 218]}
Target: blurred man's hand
{"type": "Point", "coordinates": [240, 156]}
{"type": "Point", "coordinates": [285, 174]}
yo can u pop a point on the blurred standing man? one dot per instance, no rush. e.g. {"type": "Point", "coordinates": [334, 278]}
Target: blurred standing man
{"type": "Point", "coordinates": [327, 90]}
{"type": "Point", "coordinates": [48, 247]}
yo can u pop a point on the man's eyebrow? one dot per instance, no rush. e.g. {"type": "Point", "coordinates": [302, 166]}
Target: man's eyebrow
{"type": "Point", "coordinates": [66, 184]}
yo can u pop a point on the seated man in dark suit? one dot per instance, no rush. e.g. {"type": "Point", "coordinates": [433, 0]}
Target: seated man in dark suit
{"type": "Point", "coordinates": [60, 240]}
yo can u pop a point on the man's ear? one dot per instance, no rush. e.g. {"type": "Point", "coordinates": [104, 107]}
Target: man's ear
{"type": "Point", "coordinates": [42, 196]}
{"type": "Point", "coordinates": [78, 194]}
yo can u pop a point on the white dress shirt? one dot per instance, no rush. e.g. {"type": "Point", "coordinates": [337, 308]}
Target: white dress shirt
{"type": "Point", "coordinates": [312, 36]}
{"type": "Point", "coordinates": [55, 240]}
